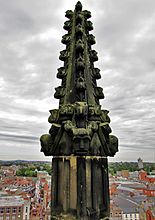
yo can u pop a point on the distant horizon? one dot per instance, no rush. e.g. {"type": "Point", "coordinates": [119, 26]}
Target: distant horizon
{"type": "Point", "coordinates": [11, 160]}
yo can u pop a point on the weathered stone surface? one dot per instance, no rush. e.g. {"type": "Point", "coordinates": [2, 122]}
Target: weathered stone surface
{"type": "Point", "coordinates": [79, 138]}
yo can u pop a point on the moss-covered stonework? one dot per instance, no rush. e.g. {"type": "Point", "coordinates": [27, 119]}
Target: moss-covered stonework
{"type": "Point", "coordinates": [79, 138]}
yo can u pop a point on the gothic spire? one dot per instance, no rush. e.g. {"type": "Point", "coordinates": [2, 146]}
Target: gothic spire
{"type": "Point", "coordinates": [79, 126]}
{"type": "Point", "coordinates": [79, 138]}
{"type": "Point", "coordinates": [78, 73]}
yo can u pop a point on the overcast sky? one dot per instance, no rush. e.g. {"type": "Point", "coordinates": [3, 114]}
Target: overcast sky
{"type": "Point", "coordinates": [30, 42]}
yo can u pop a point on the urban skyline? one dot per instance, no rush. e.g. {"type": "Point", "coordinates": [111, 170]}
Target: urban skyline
{"type": "Point", "coordinates": [30, 43]}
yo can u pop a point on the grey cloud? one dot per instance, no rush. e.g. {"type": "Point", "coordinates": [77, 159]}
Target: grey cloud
{"type": "Point", "coordinates": [17, 136]}
{"type": "Point", "coordinates": [125, 33]}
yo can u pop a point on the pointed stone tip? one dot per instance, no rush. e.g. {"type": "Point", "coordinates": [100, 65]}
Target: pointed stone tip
{"type": "Point", "coordinates": [78, 6]}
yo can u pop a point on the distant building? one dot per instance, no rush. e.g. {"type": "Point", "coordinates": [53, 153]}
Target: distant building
{"type": "Point", "coordinates": [19, 185]}
{"type": "Point", "coordinates": [140, 164]}
{"type": "Point", "coordinates": [134, 185]}
{"type": "Point", "coordinates": [147, 178]}
{"type": "Point", "coordinates": [115, 212]}
{"type": "Point", "coordinates": [126, 190]}
{"type": "Point", "coordinates": [134, 198]}
{"type": "Point", "coordinates": [41, 207]}
{"type": "Point", "coordinates": [123, 173]}
{"type": "Point", "coordinates": [130, 209]}
{"type": "Point", "coordinates": [113, 189]}
{"type": "Point", "coordinates": [150, 214]}
{"type": "Point", "coordinates": [14, 208]}
{"type": "Point", "coordinates": [9, 170]}
{"type": "Point", "coordinates": [150, 190]}
{"type": "Point", "coordinates": [143, 175]}
{"type": "Point", "coordinates": [42, 174]}
{"type": "Point", "coordinates": [130, 215]}
{"type": "Point", "coordinates": [133, 175]}
{"type": "Point", "coordinates": [118, 173]}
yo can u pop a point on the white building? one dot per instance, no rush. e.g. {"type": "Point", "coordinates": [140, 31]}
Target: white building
{"type": "Point", "coordinates": [14, 208]}
{"type": "Point", "coordinates": [140, 163]}
{"type": "Point", "coordinates": [130, 215]}
{"type": "Point", "coordinates": [134, 175]}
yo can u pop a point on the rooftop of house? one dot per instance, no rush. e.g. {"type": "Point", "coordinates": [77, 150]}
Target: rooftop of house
{"type": "Point", "coordinates": [127, 205]}
{"type": "Point", "coordinates": [135, 185]}
{"type": "Point", "coordinates": [42, 172]}
{"type": "Point", "coordinates": [139, 198]}
{"type": "Point", "coordinates": [127, 189]}
{"type": "Point", "coordinates": [151, 187]}
{"type": "Point", "coordinates": [151, 176]}
{"type": "Point", "coordinates": [152, 199]}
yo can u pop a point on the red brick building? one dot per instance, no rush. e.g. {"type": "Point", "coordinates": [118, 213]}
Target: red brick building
{"type": "Point", "coordinates": [147, 178]}
{"type": "Point", "coordinates": [150, 215]}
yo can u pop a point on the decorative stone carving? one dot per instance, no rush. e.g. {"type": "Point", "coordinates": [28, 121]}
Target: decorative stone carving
{"type": "Point", "coordinates": [65, 39]}
{"type": "Point", "coordinates": [46, 144]}
{"type": "Point", "coordinates": [95, 145]}
{"type": "Point", "coordinates": [96, 73]}
{"type": "Point", "coordinates": [61, 73]}
{"type": "Point", "coordinates": [93, 56]}
{"type": "Point", "coordinates": [68, 126]}
{"type": "Point", "coordinates": [63, 55]}
{"type": "Point", "coordinates": [69, 14]}
{"type": "Point", "coordinates": [79, 18]}
{"type": "Point", "coordinates": [91, 39]}
{"type": "Point", "coordinates": [78, 6]}
{"type": "Point", "coordinates": [80, 63]}
{"type": "Point", "coordinates": [80, 118]}
{"type": "Point", "coordinates": [80, 130]}
{"type": "Point", "coordinates": [59, 92]}
{"type": "Point", "coordinates": [93, 125]}
{"type": "Point", "coordinates": [80, 46]}
{"type": "Point", "coordinates": [81, 145]}
{"type": "Point", "coordinates": [67, 25]}
{"type": "Point", "coordinates": [94, 110]}
{"type": "Point", "coordinates": [106, 130]}
{"type": "Point", "coordinates": [80, 84]}
{"type": "Point", "coordinates": [66, 112]}
{"type": "Point", "coordinates": [104, 116]}
{"type": "Point", "coordinates": [79, 30]}
{"type": "Point", "coordinates": [99, 92]}
{"type": "Point", "coordinates": [47, 140]}
{"type": "Point", "coordinates": [89, 25]}
{"type": "Point", "coordinates": [94, 113]}
{"type": "Point", "coordinates": [87, 14]}
{"type": "Point", "coordinates": [53, 118]}
{"type": "Point", "coordinates": [81, 109]}
{"type": "Point", "coordinates": [113, 145]}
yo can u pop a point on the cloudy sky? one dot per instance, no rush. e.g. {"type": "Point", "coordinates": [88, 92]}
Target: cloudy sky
{"type": "Point", "coordinates": [30, 42]}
